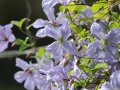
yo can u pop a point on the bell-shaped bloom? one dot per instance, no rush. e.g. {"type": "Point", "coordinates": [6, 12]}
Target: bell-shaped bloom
{"type": "Point", "coordinates": [6, 36]}
{"type": "Point", "coordinates": [106, 43]}
{"type": "Point", "coordinates": [51, 23]}
{"type": "Point", "coordinates": [62, 45]}
{"type": "Point", "coordinates": [27, 75]}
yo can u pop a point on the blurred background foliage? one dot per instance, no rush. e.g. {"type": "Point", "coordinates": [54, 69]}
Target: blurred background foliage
{"type": "Point", "coordinates": [15, 10]}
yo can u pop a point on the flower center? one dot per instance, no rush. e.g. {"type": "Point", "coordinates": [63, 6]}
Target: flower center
{"type": "Point", "coordinates": [60, 40]}
{"type": "Point", "coordinates": [105, 42]}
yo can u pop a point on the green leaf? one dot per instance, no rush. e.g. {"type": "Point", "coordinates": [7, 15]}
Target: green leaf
{"type": "Point", "coordinates": [25, 46]}
{"type": "Point", "coordinates": [18, 42]}
{"type": "Point", "coordinates": [41, 52]}
{"type": "Point", "coordinates": [99, 66]}
{"type": "Point", "coordinates": [115, 15]}
{"type": "Point", "coordinates": [20, 23]}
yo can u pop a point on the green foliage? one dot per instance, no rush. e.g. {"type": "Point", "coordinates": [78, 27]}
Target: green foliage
{"type": "Point", "coordinates": [20, 23]}
{"type": "Point", "coordinates": [23, 44]}
{"type": "Point", "coordinates": [41, 52]}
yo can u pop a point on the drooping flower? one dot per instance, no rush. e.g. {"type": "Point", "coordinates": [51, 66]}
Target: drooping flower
{"type": "Point", "coordinates": [51, 23]}
{"type": "Point", "coordinates": [6, 36]}
{"type": "Point", "coordinates": [27, 75]}
{"type": "Point", "coordinates": [106, 44]}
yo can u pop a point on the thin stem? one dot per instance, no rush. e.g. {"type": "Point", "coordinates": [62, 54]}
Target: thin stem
{"type": "Point", "coordinates": [14, 53]}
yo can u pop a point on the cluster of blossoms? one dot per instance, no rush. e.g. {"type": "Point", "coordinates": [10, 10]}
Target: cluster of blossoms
{"type": "Point", "coordinates": [72, 60]}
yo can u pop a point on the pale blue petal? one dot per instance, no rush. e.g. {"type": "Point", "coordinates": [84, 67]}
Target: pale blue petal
{"type": "Point", "coordinates": [94, 49]}
{"type": "Point", "coordinates": [49, 11]}
{"type": "Point", "coordinates": [115, 79]}
{"type": "Point", "coordinates": [55, 49]}
{"type": "Point", "coordinates": [87, 12]}
{"type": "Point", "coordinates": [61, 18]}
{"type": "Point", "coordinates": [21, 64]}
{"type": "Point", "coordinates": [29, 83]}
{"type": "Point", "coordinates": [70, 47]}
{"type": "Point", "coordinates": [3, 45]}
{"type": "Point", "coordinates": [41, 33]}
{"type": "Point", "coordinates": [114, 36]}
{"type": "Point", "coordinates": [8, 30]}
{"type": "Point", "coordinates": [40, 23]}
{"type": "Point", "coordinates": [11, 38]}
{"type": "Point", "coordinates": [97, 30]}
{"type": "Point", "coordinates": [65, 31]}
{"type": "Point", "coordinates": [20, 76]}
{"type": "Point", "coordinates": [53, 33]}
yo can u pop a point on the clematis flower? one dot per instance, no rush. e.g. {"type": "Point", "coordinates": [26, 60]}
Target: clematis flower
{"type": "Point", "coordinates": [62, 45]}
{"type": "Point", "coordinates": [106, 43]}
{"type": "Point", "coordinates": [48, 74]}
{"type": "Point", "coordinates": [27, 75]}
{"type": "Point", "coordinates": [52, 22]}
{"type": "Point", "coordinates": [6, 36]}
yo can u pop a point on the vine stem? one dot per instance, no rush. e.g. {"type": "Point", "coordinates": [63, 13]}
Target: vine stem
{"type": "Point", "coordinates": [14, 53]}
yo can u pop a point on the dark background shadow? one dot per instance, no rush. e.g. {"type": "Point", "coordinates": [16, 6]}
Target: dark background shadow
{"type": "Point", "coordinates": [15, 10]}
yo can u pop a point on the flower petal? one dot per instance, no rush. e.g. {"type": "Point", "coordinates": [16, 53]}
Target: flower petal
{"type": "Point", "coordinates": [41, 33]}
{"type": "Point", "coordinates": [52, 33]}
{"type": "Point", "coordinates": [8, 30]}
{"type": "Point", "coordinates": [49, 11]}
{"type": "Point", "coordinates": [29, 83]}
{"type": "Point", "coordinates": [114, 35]}
{"type": "Point", "coordinates": [40, 23]}
{"type": "Point", "coordinates": [11, 38]}
{"type": "Point", "coordinates": [20, 76]}
{"type": "Point", "coordinates": [97, 30]}
{"type": "Point", "coordinates": [21, 64]}
{"type": "Point", "coordinates": [3, 45]}
{"type": "Point", "coordinates": [65, 31]}
{"type": "Point", "coordinates": [55, 49]}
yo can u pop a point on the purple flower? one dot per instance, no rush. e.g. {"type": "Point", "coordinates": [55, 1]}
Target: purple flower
{"type": "Point", "coordinates": [6, 36]}
{"type": "Point", "coordinates": [62, 45]}
{"type": "Point", "coordinates": [51, 23]}
{"type": "Point", "coordinates": [106, 43]}
{"type": "Point", "coordinates": [27, 75]}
